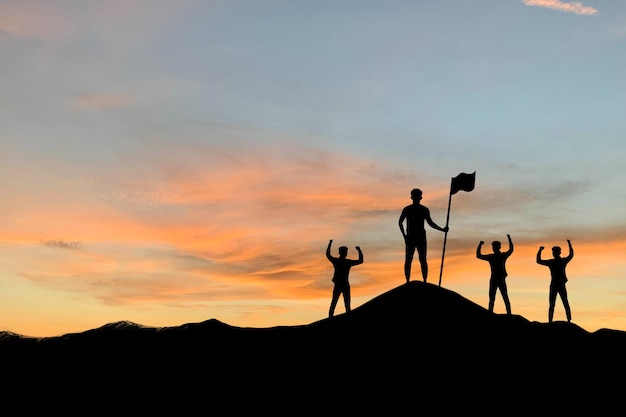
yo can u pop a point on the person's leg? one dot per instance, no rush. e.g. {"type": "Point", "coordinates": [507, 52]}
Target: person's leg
{"type": "Point", "coordinates": [492, 294]}
{"type": "Point", "coordinates": [551, 300]}
{"type": "Point", "coordinates": [421, 250]}
{"type": "Point", "coordinates": [408, 259]}
{"type": "Point", "coordinates": [346, 298]}
{"type": "Point", "coordinates": [568, 312]}
{"type": "Point", "coordinates": [505, 297]}
{"type": "Point", "coordinates": [333, 301]}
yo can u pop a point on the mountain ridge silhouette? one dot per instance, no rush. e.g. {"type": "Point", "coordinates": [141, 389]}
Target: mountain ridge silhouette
{"type": "Point", "coordinates": [415, 341]}
{"type": "Point", "coordinates": [414, 302]}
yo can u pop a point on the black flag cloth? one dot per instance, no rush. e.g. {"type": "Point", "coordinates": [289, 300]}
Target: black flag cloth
{"type": "Point", "coordinates": [463, 182]}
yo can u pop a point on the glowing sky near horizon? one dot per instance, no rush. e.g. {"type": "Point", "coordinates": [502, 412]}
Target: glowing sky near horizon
{"type": "Point", "coordinates": [167, 162]}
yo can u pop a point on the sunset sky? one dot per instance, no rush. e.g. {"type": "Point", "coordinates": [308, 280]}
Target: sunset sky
{"type": "Point", "coordinates": [167, 162]}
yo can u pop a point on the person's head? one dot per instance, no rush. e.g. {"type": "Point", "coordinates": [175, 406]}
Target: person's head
{"type": "Point", "coordinates": [556, 251]}
{"type": "Point", "coordinates": [416, 194]}
{"type": "Point", "coordinates": [343, 251]}
{"type": "Point", "coordinates": [496, 245]}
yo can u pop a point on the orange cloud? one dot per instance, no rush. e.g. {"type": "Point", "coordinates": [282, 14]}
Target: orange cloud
{"type": "Point", "coordinates": [193, 232]}
{"type": "Point", "coordinates": [567, 7]}
{"type": "Point", "coordinates": [223, 226]}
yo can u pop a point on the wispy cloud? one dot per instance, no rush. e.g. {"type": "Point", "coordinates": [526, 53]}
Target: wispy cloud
{"type": "Point", "coordinates": [28, 20]}
{"type": "Point", "coordinates": [44, 20]}
{"type": "Point", "coordinates": [215, 219]}
{"type": "Point", "coordinates": [188, 228]}
{"type": "Point", "coordinates": [62, 244]}
{"type": "Point", "coordinates": [103, 101]}
{"type": "Point", "coordinates": [575, 7]}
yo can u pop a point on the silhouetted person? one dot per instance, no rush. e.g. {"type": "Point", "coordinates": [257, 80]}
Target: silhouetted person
{"type": "Point", "coordinates": [342, 267]}
{"type": "Point", "coordinates": [497, 263]}
{"type": "Point", "coordinates": [557, 273]}
{"type": "Point", "coordinates": [415, 235]}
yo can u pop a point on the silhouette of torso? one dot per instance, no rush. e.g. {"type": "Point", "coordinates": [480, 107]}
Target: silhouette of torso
{"type": "Point", "coordinates": [557, 269]}
{"type": "Point", "coordinates": [342, 269]}
{"type": "Point", "coordinates": [415, 215]}
{"type": "Point", "coordinates": [497, 263]}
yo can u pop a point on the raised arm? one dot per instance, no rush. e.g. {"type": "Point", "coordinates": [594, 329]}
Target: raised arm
{"type": "Point", "coordinates": [328, 250]}
{"type": "Point", "coordinates": [510, 243]}
{"type": "Point", "coordinates": [360, 260]}
{"type": "Point", "coordinates": [539, 260]}
{"type": "Point", "coordinates": [479, 255]}
{"type": "Point", "coordinates": [571, 250]}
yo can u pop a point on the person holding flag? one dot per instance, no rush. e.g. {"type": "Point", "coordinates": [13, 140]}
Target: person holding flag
{"type": "Point", "coordinates": [414, 235]}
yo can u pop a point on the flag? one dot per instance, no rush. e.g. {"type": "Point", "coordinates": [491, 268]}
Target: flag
{"type": "Point", "coordinates": [463, 182]}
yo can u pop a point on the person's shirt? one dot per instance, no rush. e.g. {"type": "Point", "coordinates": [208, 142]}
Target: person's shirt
{"type": "Point", "coordinates": [497, 263]}
{"type": "Point", "coordinates": [557, 268]}
{"type": "Point", "coordinates": [415, 215]}
{"type": "Point", "coordinates": [342, 268]}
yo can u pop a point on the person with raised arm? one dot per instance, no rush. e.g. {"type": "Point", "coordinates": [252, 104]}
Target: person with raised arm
{"type": "Point", "coordinates": [497, 263]}
{"type": "Point", "coordinates": [342, 267]}
{"type": "Point", "coordinates": [558, 278]}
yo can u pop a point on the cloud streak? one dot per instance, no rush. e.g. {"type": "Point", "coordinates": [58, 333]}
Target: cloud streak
{"type": "Point", "coordinates": [575, 7]}
{"type": "Point", "coordinates": [197, 226]}
{"type": "Point", "coordinates": [103, 101]}
{"type": "Point", "coordinates": [62, 244]}
{"type": "Point", "coordinates": [196, 231]}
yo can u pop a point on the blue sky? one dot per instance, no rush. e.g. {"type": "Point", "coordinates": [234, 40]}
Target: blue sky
{"type": "Point", "coordinates": [169, 162]}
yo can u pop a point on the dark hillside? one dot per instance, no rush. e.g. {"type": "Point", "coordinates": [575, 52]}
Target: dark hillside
{"type": "Point", "coordinates": [415, 344]}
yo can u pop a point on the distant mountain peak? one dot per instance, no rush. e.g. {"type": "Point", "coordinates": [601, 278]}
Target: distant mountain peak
{"type": "Point", "coordinates": [122, 324]}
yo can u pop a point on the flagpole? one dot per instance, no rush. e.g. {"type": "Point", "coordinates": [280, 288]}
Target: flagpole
{"type": "Point", "coordinates": [463, 182]}
{"type": "Point", "coordinates": [445, 236]}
